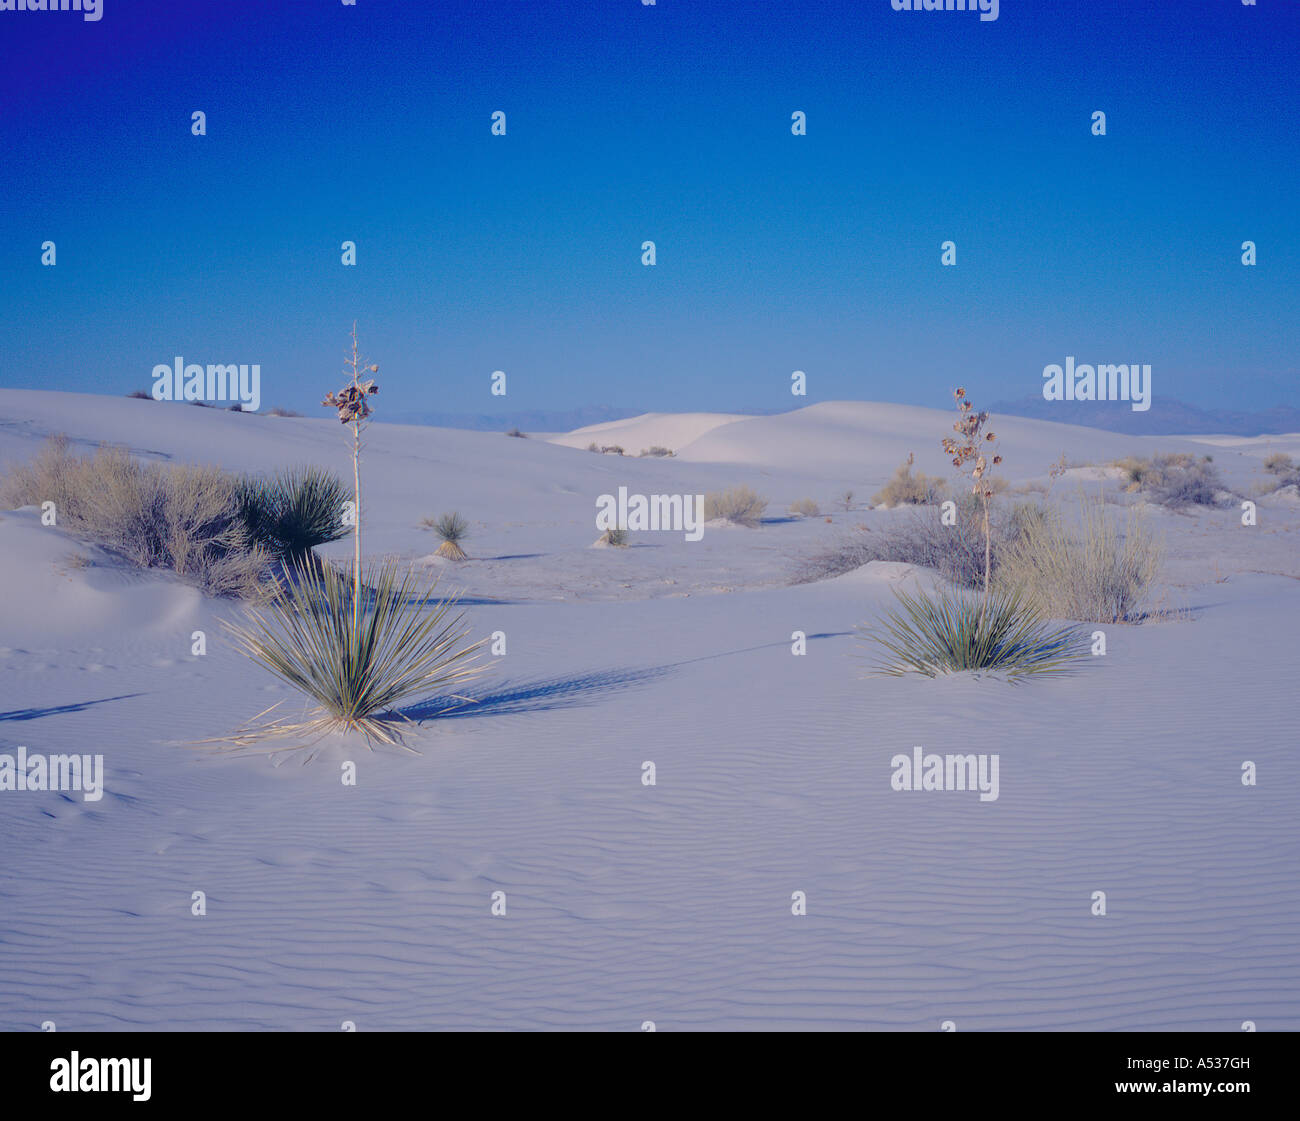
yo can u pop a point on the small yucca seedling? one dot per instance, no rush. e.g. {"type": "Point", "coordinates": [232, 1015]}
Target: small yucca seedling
{"type": "Point", "coordinates": [619, 538]}
{"type": "Point", "coordinates": [357, 661]}
{"type": "Point", "coordinates": [452, 529]}
{"type": "Point", "coordinates": [952, 631]}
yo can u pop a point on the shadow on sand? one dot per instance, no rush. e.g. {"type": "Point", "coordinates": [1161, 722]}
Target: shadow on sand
{"type": "Point", "coordinates": [547, 693]}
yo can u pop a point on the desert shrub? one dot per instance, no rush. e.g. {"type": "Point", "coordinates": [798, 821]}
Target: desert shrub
{"type": "Point", "coordinates": [452, 529]}
{"type": "Point", "coordinates": [593, 446]}
{"type": "Point", "coordinates": [296, 510]}
{"type": "Point", "coordinates": [804, 508]}
{"type": "Point", "coordinates": [659, 451]}
{"type": "Point", "coordinates": [515, 432]}
{"type": "Point", "coordinates": [358, 661]}
{"type": "Point", "coordinates": [846, 500]}
{"type": "Point", "coordinates": [739, 505]}
{"type": "Point", "coordinates": [278, 411]}
{"type": "Point", "coordinates": [918, 536]}
{"type": "Point", "coordinates": [1174, 479]}
{"type": "Point", "coordinates": [141, 394]}
{"type": "Point", "coordinates": [908, 489]}
{"type": "Point", "coordinates": [1285, 469]}
{"type": "Point", "coordinates": [1093, 573]}
{"type": "Point", "coordinates": [184, 518]}
{"type": "Point", "coordinates": [1193, 484]}
{"type": "Point", "coordinates": [950, 631]}
{"type": "Point", "coordinates": [612, 449]}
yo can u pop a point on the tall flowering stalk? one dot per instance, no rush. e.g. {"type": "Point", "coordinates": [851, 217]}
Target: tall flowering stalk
{"type": "Point", "coordinates": [353, 409]}
{"type": "Point", "coordinates": [965, 451]}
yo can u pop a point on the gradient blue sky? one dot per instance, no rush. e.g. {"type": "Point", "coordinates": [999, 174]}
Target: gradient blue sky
{"type": "Point", "coordinates": [821, 253]}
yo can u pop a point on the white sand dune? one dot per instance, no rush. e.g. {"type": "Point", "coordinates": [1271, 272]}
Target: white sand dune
{"type": "Point", "coordinates": [627, 902]}
{"type": "Point", "coordinates": [638, 433]}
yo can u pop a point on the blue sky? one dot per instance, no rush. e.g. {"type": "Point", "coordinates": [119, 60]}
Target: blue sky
{"type": "Point", "coordinates": [671, 123]}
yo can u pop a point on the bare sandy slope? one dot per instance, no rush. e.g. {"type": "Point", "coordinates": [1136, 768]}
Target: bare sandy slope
{"type": "Point", "coordinates": [627, 902]}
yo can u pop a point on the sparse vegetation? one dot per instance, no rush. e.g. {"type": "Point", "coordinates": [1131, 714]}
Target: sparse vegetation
{"type": "Point", "coordinates": [1280, 464]}
{"type": "Point", "coordinates": [658, 451]}
{"type": "Point", "coordinates": [517, 434]}
{"type": "Point", "coordinates": [1173, 479]}
{"type": "Point", "coordinates": [846, 500]}
{"type": "Point", "coordinates": [738, 505]}
{"type": "Point", "coordinates": [612, 449]}
{"type": "Point", "coordinates": [804, 508]}
{"type": "Point", "coordinates": [950, 631]}
{"type": "Point", "coordinates": [908, 489]}
{"type": "Point", "coordinates": [277, 411]}
{"type": "Point", "coordinates": [141, 395]}
{"type": "Point", "coordinates": [918, 536]}
{"type": "Point", "coordinates": [1284, 469]}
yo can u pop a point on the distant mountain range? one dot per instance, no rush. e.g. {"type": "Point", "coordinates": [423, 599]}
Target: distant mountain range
{"type": "Point", "coordinates": [1165, 417]}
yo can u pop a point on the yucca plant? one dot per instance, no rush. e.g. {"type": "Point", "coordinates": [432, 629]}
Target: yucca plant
{"type": "Point", "coordinates": [357, 648]}
{"type": "Point", "coordinates": [452, 529]}
{"type": "Point", "coordinates": [295, 511]}
{"type": "Point", "coordinates": [357, 661]}
{"type": "Point", "coordinates": [951, 631]}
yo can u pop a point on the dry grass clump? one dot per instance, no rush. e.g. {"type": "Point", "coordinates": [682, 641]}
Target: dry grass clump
{"type": "Point", "coordinates": [658, 451]}
{"type": "Point", "coordinates": [804, 508]}
{"type": "Point", "coordinates": [1094, 573]}
{"type": "Point", "coordinates": [908, 489]}
{"type": "Point", "coordinates": [187, 519]}
{"type": "Point", "coordinates": [278, 411]}
{"type": "Point", "coordinates": [738, 505]}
